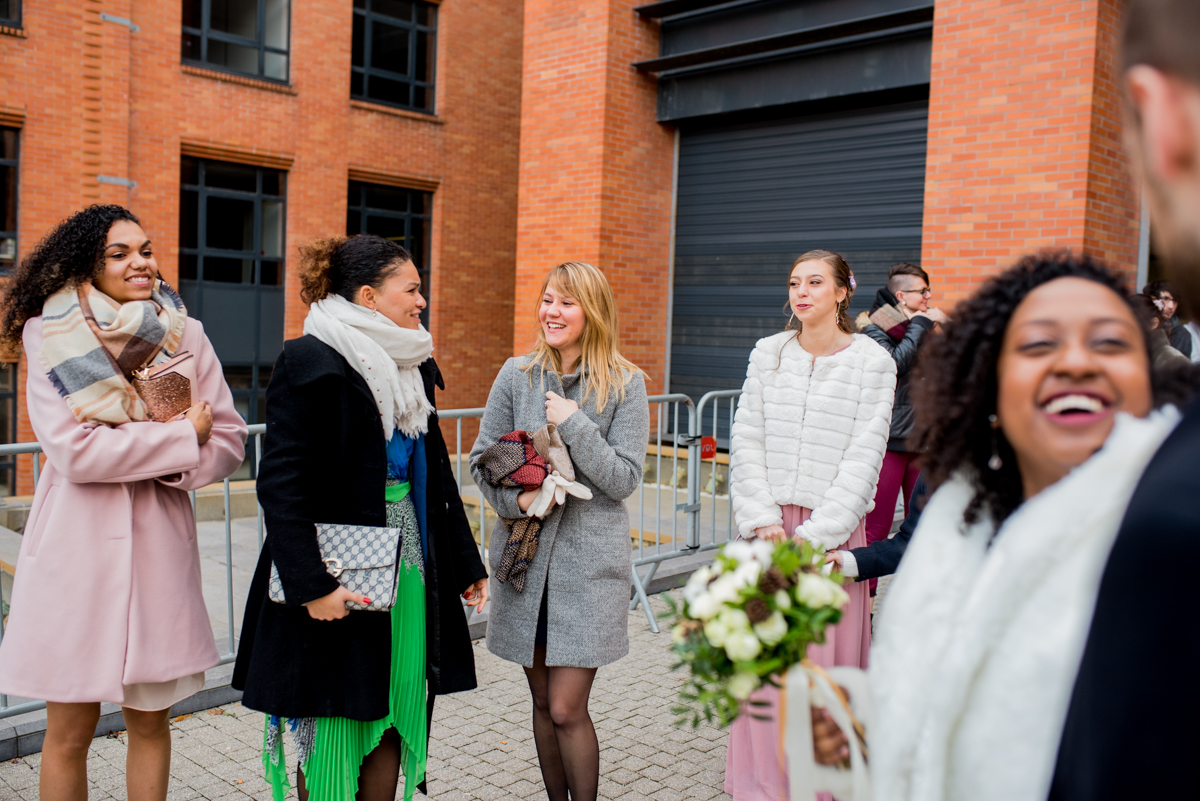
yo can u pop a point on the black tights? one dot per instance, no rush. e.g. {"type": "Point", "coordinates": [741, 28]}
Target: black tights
{"type": "Point", "coordinates": [379, 775]}
{"type": "Point", "coordinates": [568, 752]}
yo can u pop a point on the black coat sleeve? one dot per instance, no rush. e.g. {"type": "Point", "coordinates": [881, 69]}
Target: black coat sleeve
{"type": "Point", "coordinates": [1181, 340]}
{"type": "Point", "coordinates": [883, 557]}
{"type": "Point", "coordinates": [464, 552]}
{"type": "Point", "coordinates": [283, 482]}
{"type": "Point", "coordinates": [904, 352]}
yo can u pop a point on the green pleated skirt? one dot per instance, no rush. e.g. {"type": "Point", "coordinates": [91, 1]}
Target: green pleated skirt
{"type": "Point", "coordinates": [331, 750]}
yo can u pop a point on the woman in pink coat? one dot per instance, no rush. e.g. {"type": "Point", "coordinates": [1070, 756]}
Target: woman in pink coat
{"type": "Point", "coordinates": [107, 602]}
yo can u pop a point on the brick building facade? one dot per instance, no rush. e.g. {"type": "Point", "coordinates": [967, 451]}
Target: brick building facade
{"type": "Point", "coordinates": [108, 114]}
{"type": "Point", "coordinates": [689, 148]}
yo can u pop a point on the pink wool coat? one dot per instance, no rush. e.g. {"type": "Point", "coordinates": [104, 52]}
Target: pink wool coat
{"type": "Point", "coordinates": [108, 591]}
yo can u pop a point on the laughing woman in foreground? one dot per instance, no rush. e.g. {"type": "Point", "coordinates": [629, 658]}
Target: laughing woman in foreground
{"type": "Point", "coordinates": [1035, 418]}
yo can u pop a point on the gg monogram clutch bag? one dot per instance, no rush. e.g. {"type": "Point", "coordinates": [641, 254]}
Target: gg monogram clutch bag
{"type": "Point", "coordinates": [168, 389]}
{"type": "Point", "coordinates": [363, 560]}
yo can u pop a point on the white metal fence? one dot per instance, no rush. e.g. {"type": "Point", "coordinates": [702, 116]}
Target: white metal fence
{"type": "Point", "coordinates": [679, 512]}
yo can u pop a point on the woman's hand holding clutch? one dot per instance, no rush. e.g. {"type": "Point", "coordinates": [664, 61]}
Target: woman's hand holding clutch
{"type": "Point", "coordinates": [201, 417]}
{"type": "Point", "coordinates": [333, 605]}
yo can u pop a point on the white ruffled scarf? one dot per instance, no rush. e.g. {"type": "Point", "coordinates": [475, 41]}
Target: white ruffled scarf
{"type": "Point", "coordinates": [384, 354]}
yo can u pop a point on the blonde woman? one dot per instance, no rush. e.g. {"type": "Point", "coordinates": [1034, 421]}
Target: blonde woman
{"type": "Point", "coordinates": [807, 445]}
{"type": "Point", "coordinates": [571, 616]}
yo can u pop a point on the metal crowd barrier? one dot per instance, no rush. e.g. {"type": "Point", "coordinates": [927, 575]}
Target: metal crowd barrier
{"type": "Point", "coordinates": [699, 537]}
{"type": "Point", "coordinates": [665, 530]}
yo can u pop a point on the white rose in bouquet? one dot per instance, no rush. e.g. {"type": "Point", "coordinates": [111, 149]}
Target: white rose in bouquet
{"type": "Point", "coordinates": [697, 583]}
{"type": "Point", "coordinates": [725, 589]}
{"type": "Point", "coordinates": [716, 631]}
{"type": "Point", "coordinates": [772, 630]}
{"type": "Point", "coordinates": [742, 646]}
{"type": "Point", "coordinates": [817, 591]}
{"type": "Point", "coordinates": [747, 573]}
{"type": "Point", "coordinates": [742, 684]}
{"type": "Point", "coordinates": [704, 607]}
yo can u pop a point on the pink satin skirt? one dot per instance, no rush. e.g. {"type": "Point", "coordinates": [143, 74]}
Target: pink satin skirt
{"type": "Point", "coordinates": [754, 766]}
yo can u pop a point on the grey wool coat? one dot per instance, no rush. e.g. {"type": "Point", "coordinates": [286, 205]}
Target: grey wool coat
{"type": "Point", "coordinates": [584, 557]}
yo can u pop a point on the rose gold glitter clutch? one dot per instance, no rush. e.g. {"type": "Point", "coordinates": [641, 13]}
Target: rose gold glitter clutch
{"type": "Point", "coordinates": [168, 389]}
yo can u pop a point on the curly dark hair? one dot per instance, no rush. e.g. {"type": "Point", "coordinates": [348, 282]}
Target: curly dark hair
{"type": "Point", "coordinates": [955, 384]}
{"type": "Point", "coordinates": [71, 253]}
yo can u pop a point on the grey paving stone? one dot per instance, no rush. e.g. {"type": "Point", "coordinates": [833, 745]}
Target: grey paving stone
{"type": "Point", "coordinates": [481, 742]}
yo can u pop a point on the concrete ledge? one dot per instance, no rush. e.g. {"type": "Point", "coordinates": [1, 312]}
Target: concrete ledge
{"type": "Point", "coordinates": [210, 505]}
{"type": "Point", "coordinates": [23, 735]}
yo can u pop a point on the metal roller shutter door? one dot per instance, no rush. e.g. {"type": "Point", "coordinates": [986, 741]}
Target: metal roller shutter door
{"type": "Point", "coordinates": [753, 197]}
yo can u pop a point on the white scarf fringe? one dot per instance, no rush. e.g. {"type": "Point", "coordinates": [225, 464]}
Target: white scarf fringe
{"type": "Point", "coordinates": [384, 354]}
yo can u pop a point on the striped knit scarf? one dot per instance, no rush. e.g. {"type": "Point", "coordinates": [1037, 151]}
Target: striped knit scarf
{"type": "Point", "coordinates": [92, 344]}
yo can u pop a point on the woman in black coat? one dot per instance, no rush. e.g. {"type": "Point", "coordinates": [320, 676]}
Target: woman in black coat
{"type": "Point", "coordinates": [327, 458]}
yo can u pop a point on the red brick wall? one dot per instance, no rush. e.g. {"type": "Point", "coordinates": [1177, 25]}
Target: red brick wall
{"type": "Point", "coordinates": [595, 168]}
{"type": "Point", "coordinates": [1024, 143]}
{"type": "Point", "coordinates": [100, 100]}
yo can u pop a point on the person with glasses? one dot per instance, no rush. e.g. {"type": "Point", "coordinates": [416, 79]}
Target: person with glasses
{"type": "Point", "coordinates": [900, 321]}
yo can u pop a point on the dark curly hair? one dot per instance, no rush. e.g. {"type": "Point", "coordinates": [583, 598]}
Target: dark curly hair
{"type": "Point", "coordinates": [955, 384]}
{"type": "Point", "coordinates": [71, 253]}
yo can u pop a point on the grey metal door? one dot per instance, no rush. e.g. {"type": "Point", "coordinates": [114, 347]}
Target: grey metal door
{"type": "Point", "coordinates": [753, 197]}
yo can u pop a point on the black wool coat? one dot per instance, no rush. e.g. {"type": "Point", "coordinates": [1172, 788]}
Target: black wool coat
{"type": "Point", "coordinates": [323, 461]}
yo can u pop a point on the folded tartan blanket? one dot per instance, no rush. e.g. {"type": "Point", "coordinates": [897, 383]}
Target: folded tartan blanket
{"type": "Point", "coordinates": [527, 463]}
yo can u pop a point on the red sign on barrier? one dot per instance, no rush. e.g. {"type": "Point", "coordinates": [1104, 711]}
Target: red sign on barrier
{"type": "Point", "coordinates": [708, 447]}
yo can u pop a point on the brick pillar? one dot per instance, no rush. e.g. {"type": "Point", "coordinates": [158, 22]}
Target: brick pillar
{"type": "Point", "coordinates": [1024, 139]}
{"type": "Point", "coordinates": [595, 168]}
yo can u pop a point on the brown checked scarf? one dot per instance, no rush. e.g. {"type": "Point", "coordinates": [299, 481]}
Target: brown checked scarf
{"type": "Point", "coordinates": [514, 462]}
{"type": "Point", "coordinates": [91, 345]}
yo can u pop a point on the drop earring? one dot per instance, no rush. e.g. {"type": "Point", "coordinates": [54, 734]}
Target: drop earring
{"type": "Point", "coordinates": [994, 463]}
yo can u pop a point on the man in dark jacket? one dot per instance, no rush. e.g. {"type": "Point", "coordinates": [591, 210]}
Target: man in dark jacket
{"type": "Point", "coordinates": [1131, 727]}
{"type": "Point", "coordinates": [1164, 295]}
{"type": "Point", "coordinates": [899, 321]}
{"type": "Point", "coordinates": [881, 558]}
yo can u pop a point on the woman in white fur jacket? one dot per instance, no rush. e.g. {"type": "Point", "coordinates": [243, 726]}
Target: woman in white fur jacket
{"type": "Point", "coordinates": [1035, 418]}
{"type": "Point", "coordinates": [807, 445]}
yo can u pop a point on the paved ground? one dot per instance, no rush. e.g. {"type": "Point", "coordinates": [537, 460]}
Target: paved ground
{"type": "Point", "coordinates": [482, 747]}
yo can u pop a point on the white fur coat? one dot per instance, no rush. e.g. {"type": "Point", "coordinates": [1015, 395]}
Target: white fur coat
{"type": "Point", "coordinates": [980, 639]}
{"type": "Point", "coordinates": [811, 434]}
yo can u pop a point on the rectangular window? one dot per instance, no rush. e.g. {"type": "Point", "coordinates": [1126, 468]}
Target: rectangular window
{"type": "Point", "coordinates": [8, 198]}
{"type": "Point", "coordinates": [231, 271]}
{"type": "Point", "coordinates": [250, 37]}
{"type": "Point", "coordinates": [392, 53]}
{"type": "Point", "coordinates": [401, 215]}
{"type": "Point", "coordinates": [10, 13]}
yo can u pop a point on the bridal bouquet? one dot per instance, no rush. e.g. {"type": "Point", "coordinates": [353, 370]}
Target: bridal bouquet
{"type": "Point", "coordinates": [746, 620]}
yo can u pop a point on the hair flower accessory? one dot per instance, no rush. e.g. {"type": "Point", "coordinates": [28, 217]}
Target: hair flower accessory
{"type": "Point", "coordinates": [1162, 306]}
{"type": "Point", "coordinates": [853, 283]}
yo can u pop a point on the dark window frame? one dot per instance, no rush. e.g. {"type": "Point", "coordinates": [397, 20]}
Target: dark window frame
{"type": "Point", "coordinates": [207, 34]}
{"type": "Point", "coordinates": [15, 21]}
{"type": "Point", "coordinates": [259, 372]}
{"type": "Point", "coordinates": [357, 204]}
{"type": "Point", "coordinates": [363, 12]}
{"type": "Point", "coordinates": [9, 463]}
{"type": "Point", "coordinates": [15, 164]}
